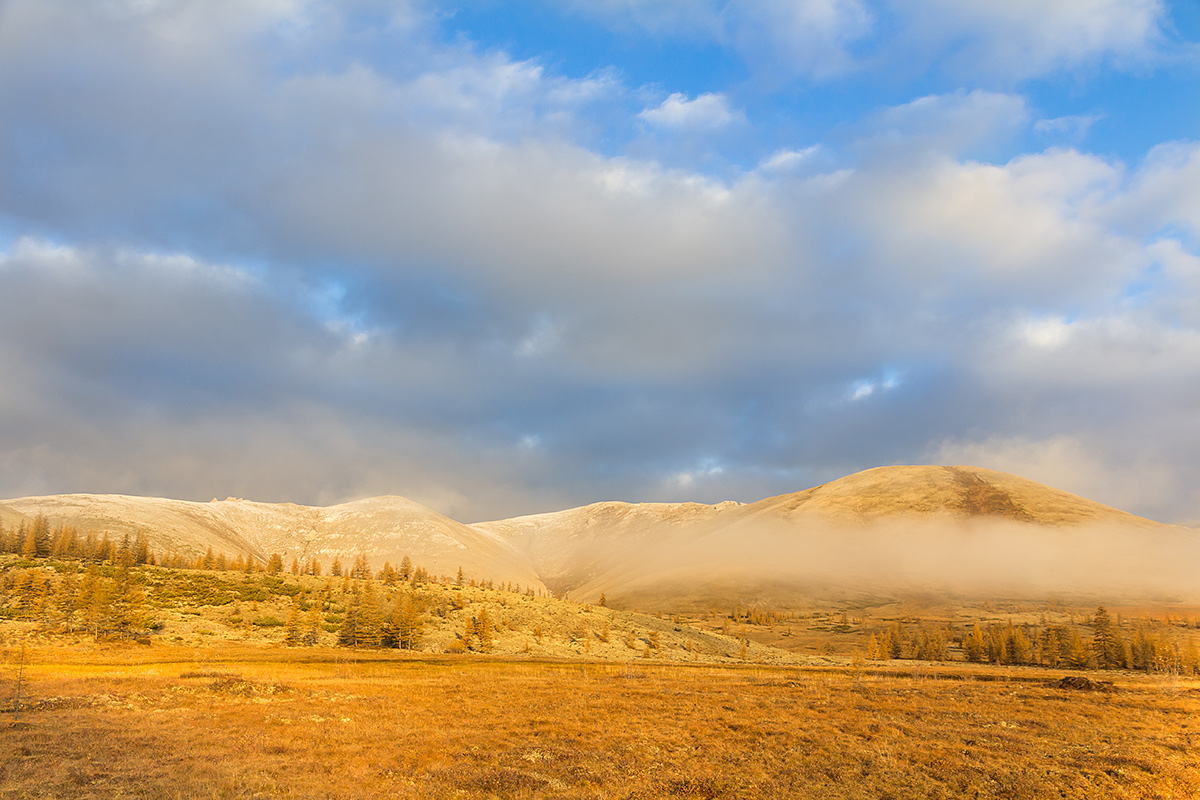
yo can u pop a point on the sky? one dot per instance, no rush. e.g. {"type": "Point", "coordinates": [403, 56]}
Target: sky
{"type": "Point", "coordinates": [511, 257]}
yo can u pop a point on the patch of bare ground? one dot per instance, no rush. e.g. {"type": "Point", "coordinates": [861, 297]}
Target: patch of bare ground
{"type": "Point", "coordinates": [318, 723]}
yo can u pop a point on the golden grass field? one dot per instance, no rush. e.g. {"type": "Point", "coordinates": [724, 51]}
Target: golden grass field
{"type": "Point", "coordinates": [108, 721]}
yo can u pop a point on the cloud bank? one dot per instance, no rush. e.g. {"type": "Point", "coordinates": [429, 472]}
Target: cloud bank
{"type": "Point", "coordinates": [311, 251]}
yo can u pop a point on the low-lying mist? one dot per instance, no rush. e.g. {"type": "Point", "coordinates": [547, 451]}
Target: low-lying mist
{"type": "Point", "coordinates": [974, 558]}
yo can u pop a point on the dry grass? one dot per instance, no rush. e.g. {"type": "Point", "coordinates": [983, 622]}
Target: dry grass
{"type": "Point", "coordinates": [241, 723]}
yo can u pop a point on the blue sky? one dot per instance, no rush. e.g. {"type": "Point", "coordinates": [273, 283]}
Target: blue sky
{"type": "Point", "coordinates": [509, 257]}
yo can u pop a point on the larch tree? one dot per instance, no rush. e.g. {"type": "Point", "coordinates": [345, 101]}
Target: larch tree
{"type": "Point", "coordinates": [294, 636]}
{"type": "Point", "coordinates": [1106, 641]}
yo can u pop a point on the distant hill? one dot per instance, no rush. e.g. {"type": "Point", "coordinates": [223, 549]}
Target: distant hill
{"type": "Point", "coordinates": [896, 531]}
{"type": "Point", "coordinates": [953, 492]}
{"type": "Point", "coordinates": [873, 534]}
{"type": "Point", "coordinates": [382, 528]}
{"type": "Point", "coordinates": [569, 548]}
{"type": "Point", "coordinates": [10, 518]}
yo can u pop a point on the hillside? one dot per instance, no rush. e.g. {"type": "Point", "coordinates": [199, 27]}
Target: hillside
{"type": "Point", "coordinates": [873, 535]}
{"type": "Point", "coordinates": [892, 532]}
{"type": "Point", "coordinates": [382, 528]}
{"type": "Point", "coordinates": [569, 548]}
{"type": "Point", "coordinates": [10, 518]}
{"type": "Point", "coordinates": [953, 492]}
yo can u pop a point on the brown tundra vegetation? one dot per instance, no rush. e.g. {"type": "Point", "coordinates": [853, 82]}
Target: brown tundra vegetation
{"type": "Point", "coordinates": [107, 721]}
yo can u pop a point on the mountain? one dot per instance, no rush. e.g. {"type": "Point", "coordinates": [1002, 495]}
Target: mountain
{"type": "Point", "coordinates": [907, 530]}
{"type": "Point", "coordinates": [877, 533]}
{"type": "Point", "coordinates": [382, 528]}
{"type": "Point", "coordinates": [952, 492]}
{"type": "Point", "coordinates": [569, 548]}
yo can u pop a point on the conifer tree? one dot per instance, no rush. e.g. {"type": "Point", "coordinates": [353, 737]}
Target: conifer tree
{"type": "Point", "coordinates": [875, 650]}
{"type": "Point", "coordinates": [127, 605]}
{"type": "Point", "coordinates": [294, 636]}
{"type": "Point", "coordinates": [348, 633]}
{"type": "Point", "coordinates": [23, 590]}
{"type": "Point", "coordinates": [105, 549]}
{"type": "Point", "coordinates": [370, 623]}
{"type": "Point", "coordinates": [68, 588]}
{"type": "Point", "coordinates": [141, 549]}
{"type": "Point", "coordinates": [974, 645]}
{"type": "Point", "coordinates": [408, 629]}
{"type": "Point", "coordinates": [361, 568]}
{"type": "Point", "coordinates": [1106, 642]}
{"type": "Point", "coordinates": [1077, 651]}
{"type": "Point", "coordinates": [312, 632]}
{"type": "Point", "coordinates": [93, 604]}
{"type": "Point", "coordinates": [29, 545]}
{"type": "Point", "coordinates": [275, 564]}
{"type": "Point", "coordinates": [406, 568]}
{"type": "Point", "coordinates": [40, 531]}
{"type": "Point", "coordinates": [470, 632]}
{"type": "Point", "coordinates": [124, 556]}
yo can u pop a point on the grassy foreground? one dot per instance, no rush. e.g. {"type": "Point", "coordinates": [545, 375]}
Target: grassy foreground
{"type": "Point", "coordinates": [162, 722]}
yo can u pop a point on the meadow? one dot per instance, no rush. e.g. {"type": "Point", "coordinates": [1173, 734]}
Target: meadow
{"type": "Point", "coordinates": [124, 720]}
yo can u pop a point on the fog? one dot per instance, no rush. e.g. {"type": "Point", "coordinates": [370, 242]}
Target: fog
{"type": "Point", "coordinates": [969, 560]}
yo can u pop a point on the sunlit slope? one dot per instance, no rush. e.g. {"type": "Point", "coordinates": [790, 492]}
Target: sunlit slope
{"type": "Point", "coordinates": [175, 526]}
{"type": "Point", "coordinates": [569, 548]}
{"type": "Point", "coordinates": [382, 528]}
{"type": "Point", "coordinates": [895, 531]}
{"type": "Point", "coordinates": [955, 492]}
{"type": "Point", "coordinates": [10, 518]}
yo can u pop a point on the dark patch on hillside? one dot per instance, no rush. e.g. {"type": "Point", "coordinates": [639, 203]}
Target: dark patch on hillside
{"type": "Point", "coordinates": [980, 498]}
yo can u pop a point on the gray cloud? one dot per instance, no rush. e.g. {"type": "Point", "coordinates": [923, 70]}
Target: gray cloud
{"type": "Point", "coordinates": [417, 277]}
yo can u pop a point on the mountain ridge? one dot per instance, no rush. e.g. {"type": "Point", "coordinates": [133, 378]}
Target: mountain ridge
{"type": "Point", "coordinates": [613, 546]}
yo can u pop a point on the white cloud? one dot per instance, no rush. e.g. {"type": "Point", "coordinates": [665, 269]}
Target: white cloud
{"type": "Point", "coordinates": [707, 111]}
{"type": "Point", "coordinates": [497, 276]}
{"type": "Point", "coordinates": [786, 160]}
{"type": "Point", "coordinates": [1013, 39]}
{"type": "Point", "coordinates": [992, 40]}
{"type": "Point", "coordinates": [1164, 192]}
{"type": "Point", "coordinates": [1074, 127]}
{"type": "Point", "coordinates": [948, 124]}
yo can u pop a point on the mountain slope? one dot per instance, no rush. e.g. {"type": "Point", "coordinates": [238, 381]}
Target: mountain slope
{"type": "Point", "coordinates": [884, 530]}
{"type": "Point", "coordinates": [569, 548]}
{"type": "Point", "coordinates": [955, 492]}
{"type": "Point", "coordinates": [10, 518]}
{"type": "Point", "coordinates": [382, 528]}
{"type": "Point", "coordinates": [898, 530]}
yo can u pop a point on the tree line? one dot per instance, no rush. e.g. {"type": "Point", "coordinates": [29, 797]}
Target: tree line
{"type": "Point", "coordinates": [1042, 645]}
